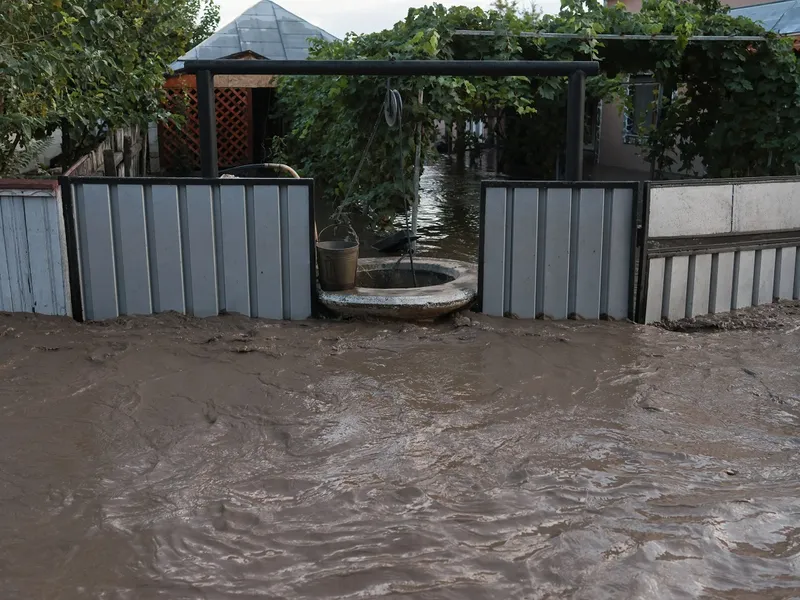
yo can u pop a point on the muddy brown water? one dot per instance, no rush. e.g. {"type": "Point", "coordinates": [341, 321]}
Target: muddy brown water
{"type": "Point", "coordinates": [168, 457]}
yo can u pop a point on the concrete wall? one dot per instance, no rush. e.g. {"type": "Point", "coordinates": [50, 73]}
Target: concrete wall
{"type": "Point", "coordinates": [557, 251]}
{"type": "Point", "coordinates": [195, 247]}
{"type": "Point", "coordinates": [33, 257]}
{"type": "Point", "coordinates": [681, 210]}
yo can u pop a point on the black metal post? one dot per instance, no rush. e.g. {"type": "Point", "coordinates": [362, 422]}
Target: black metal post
{"type": "Point", "coordinates": [576, 99]}
{"type": "Point", "coordinates": [71, 239]}
{"type": "Point", "coordinates": [208, 124]}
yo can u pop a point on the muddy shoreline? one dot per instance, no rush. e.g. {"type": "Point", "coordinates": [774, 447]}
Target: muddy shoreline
{"type": "Point", "coordinates": [170, 457]}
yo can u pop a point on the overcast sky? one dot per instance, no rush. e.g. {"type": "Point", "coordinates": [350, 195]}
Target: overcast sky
{"type": "Point", "coordinates": [362, 16]}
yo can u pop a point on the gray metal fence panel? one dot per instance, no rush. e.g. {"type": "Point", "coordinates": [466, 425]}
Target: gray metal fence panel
{"type": "Point", "coordinates": [556, 250]}
{"type": "Point", "coordinates": [33, 263]}
{"type": "Point", "coordinates": [198, 247]}
{"type": "Point", "coordinates": [164, 248]}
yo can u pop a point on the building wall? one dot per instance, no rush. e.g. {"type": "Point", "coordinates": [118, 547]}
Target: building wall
{"type": "Point", "coordinates": [613, 152]}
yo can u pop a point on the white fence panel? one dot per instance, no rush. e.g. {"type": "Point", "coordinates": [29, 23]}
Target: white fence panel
{"type": "Point", "coordinates": [34, 274]}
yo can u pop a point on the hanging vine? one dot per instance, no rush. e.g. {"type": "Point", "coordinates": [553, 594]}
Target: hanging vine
{"type": "Point", "coordinates": [733, 111]}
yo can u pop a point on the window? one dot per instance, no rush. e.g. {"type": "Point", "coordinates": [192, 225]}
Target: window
{"type": "Point", "coordinates": [645, 99]}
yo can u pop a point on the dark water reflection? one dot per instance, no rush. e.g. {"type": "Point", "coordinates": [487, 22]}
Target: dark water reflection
{"type": "Point", "coordinates": [449, 213]}
{"type": "Point", "coordinates": [449, 210]}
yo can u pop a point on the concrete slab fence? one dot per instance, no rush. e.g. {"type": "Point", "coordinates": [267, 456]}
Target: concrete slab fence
{"type": "Point", "coordinates": [719, 245]}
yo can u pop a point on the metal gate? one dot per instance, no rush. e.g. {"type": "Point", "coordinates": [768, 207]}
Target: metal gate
{"type": "Point", "coordinates": [195, 246]}
{"type": "Point", "coordinates": [557, 249]}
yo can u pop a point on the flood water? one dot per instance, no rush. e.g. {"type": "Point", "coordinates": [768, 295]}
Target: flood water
{"type": "Point", "coordinates": [168, 457]}
{"type": "Point", "coordinates": [449, 213]}
{"type": "Point", "coordinates": [449, 210]}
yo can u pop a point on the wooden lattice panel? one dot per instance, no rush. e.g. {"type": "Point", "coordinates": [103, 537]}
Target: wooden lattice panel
{"type": "Point", "coordinates": [179, 145]}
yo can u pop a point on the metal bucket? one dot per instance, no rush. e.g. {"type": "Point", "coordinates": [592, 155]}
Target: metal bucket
{"type": "Point", "coordinates": [338, 262]}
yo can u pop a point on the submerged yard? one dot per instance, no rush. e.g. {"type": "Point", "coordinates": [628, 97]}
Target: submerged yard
{"type": "Point", "coordinates": [168, 457]}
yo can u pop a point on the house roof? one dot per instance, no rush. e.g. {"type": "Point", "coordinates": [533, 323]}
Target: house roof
{"type": "Point", "coordinates": [782, 17]}
{"type": "Point", "coordinates": [265, 29]}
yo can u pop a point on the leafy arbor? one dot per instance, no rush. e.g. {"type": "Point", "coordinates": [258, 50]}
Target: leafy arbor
{"type": "Point", "coordinates": [733, 110]}
{"type": "Point", "coordinates": [86, 66]}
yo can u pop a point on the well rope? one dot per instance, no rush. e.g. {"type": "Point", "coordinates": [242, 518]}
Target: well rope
{"type": "Point", "coordinates": [392, 110]}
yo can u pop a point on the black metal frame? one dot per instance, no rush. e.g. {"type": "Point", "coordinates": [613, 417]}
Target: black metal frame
{"type": "Point", "coordinates": [289, 181]}
{"type": "Point", "coordinates": [635, 236]}
{"type": "Point", "coordinates": [695, 244]}
{"type": "Point", "coordinates": [392, 68]}
{"type": "Point", "coordinates": [71, 230]}
{"type": "Point", "coordinates": [576, 101]}
{"type": "Point", "coordinates": [71, 240]}
{"type": "Point", "coordinates": [644, 265]}
{"type": "Point", "coordinates": [723, 181]}
{"type": "Point", "coordinates": [576, 70]}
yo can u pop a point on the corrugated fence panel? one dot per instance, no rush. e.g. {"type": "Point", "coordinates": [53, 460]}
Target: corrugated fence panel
{"type": "Point", "coordinates": [588, 267]}
{"type": "Point", "coordinates": [785, 265]}
{"type": "Point", "coordinates": [493, 267]}
{"type": "Point", "coordinates": [199, 250]}
{"type": "Point", "coordinates": [557, 251]}
{"type": "Point", "coordinates": [164, 245]}
{"type": "Point", "coordinates": [620, 204]}
{"type": "Point", "coordinates": [722, 270]}
{"type": "Point", "coordinates": [197, 247]}
{"type": "Point", "coordinates": [132, 264]}
{"type": "Point", "coordinates": [266, 262]}
{"type": "Point", "coordinates": [33, 263]}
{"type": "Point", "coordinates": [524, 253]}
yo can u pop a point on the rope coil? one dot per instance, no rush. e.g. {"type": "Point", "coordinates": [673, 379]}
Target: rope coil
{"type": "Point", "coordinates": [393, 107]}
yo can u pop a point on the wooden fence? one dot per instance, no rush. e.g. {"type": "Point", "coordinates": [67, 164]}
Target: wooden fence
{"type": "Point", "coordinates": [122, 154]}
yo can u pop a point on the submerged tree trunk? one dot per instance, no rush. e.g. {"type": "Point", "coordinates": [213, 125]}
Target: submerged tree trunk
{"type": "Point", "coordinates": [66, 146]}
{"type": "Point", "coordinates": [461, 141]}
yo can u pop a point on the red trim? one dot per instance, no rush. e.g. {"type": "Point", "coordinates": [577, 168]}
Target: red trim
{"type": "Point", "coordinates": [29, 184]}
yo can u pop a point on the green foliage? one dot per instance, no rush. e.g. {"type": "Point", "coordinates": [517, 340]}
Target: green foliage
{"type": "Point", "coordinates": [734, 110]}
{"type": "Point", "coordinates": [16, 164]}
{"type": "Point", "coordinates": [85, 66]}
{"type": "Point", "coordinates": [208, 21]}
{"type": "Point", "coordinates": [333, 117]}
